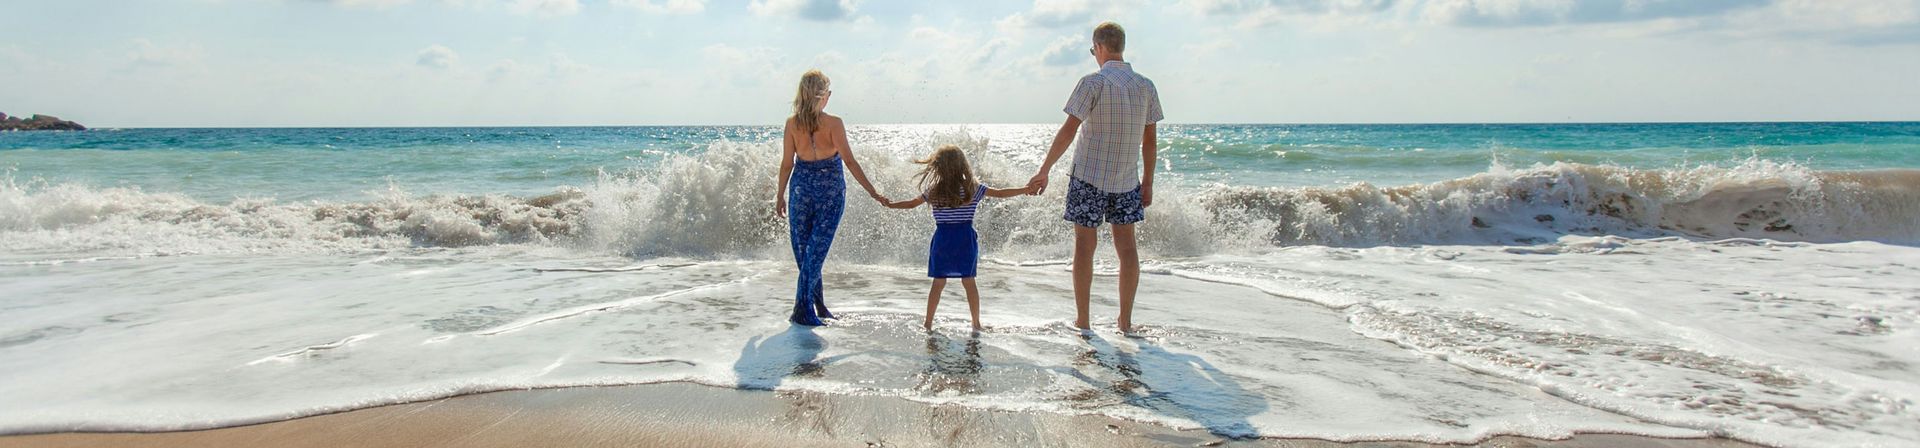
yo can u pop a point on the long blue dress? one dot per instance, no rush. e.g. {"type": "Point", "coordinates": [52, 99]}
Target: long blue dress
{"type": "Point", "coordinates": [816, 197]}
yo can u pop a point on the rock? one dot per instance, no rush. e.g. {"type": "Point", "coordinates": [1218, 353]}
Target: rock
{"type": "Point", "coordinates": [38, 123]}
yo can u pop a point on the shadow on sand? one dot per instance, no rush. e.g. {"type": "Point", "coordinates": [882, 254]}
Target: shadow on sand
{"type": "Point", "coordinates": [953, 366]}
{"type": "Point", "coordinates": [765, 363]}
{"type": "Point", "coordinates": [1177, 385]}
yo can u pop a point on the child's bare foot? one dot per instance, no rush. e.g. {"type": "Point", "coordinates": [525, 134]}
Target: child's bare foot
{"type": "Point", "coordinates": [1126, 328]}
{"type": "Point", "coordinates": [977, 329]}
{"type": "Point", "coordinates": [927, 325]}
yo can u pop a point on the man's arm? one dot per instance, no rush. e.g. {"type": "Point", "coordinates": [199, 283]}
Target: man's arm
{"type": "Point", "coordinates": [1060, 141]}
{"type": "Point", "coordinates": [1149, 153]}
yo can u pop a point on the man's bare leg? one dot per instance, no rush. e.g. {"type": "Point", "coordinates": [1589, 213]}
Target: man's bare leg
{"type": "Point", "coordinates": [1126, 248]}
{"type": "Point", "coordinates": [1085, 239]}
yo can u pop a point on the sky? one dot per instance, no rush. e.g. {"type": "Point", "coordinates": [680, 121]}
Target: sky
{"type": "Point", "coordinates": [221, 63]}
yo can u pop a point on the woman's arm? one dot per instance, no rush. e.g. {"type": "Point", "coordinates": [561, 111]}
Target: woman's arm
{"type": "Point", "coordinates": [786, 170]}
{"type": "Point", "coordinates": [853, 164]}
{"type": "Point", "coordinates": [910, 203]}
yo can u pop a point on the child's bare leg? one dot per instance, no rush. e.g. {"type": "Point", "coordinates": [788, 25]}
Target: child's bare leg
{"type": "Point", "coordinates": [973, 301]}
{"type": "Point", "coordinates": [933, 301]}
{"type": "Point", "coordinates": [1084, 241]}
{"type": "Point", "coordinates": [1126, 248]}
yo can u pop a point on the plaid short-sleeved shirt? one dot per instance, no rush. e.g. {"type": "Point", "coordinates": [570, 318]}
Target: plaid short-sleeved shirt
{"type": "Point", "coordinates": [1114, 106]}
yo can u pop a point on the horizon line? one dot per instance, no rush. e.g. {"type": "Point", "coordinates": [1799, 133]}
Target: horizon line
{"type": "Point", "coordinates": [1326, 123]}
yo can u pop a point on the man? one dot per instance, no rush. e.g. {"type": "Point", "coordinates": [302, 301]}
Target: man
{"type": "Point", "coordinates": [1119, 109]}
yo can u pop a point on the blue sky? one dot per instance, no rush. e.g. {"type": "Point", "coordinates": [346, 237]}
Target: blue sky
{"type": "Point", "coordinates": [625, 62]}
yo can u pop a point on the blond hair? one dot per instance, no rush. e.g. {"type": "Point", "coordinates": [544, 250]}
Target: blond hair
{"type": "Point", "coordinates": [1110, 35]}
{"type": "Point", "coordinates": [806, 101]}
{"type": "Point", "coordinates": [948, 178]}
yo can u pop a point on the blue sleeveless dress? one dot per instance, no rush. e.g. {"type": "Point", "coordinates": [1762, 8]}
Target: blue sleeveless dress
{"type": "Point", "coordinates": [955, 250]}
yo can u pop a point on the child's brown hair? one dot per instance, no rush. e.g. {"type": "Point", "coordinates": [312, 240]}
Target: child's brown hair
{"type": "Point", "coordinates": [948, 178]}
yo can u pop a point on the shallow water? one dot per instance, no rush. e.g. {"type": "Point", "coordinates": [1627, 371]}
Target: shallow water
{"type": "Point", "coordinates": [1768, 299]}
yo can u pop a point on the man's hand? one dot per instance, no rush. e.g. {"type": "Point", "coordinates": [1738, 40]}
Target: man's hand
{"type": "Point", "coordinates": [1146, 195]}
{"type": "Point", "coordinates": [1038, 184]}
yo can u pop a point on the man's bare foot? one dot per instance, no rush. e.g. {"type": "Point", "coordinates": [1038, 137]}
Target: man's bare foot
{"type": "Point", "coordinates": [927, 325]}
{"type": "Point", "coordinates": [1081, 324]}
{"type": "Point", "coordinates": [1126, 328]}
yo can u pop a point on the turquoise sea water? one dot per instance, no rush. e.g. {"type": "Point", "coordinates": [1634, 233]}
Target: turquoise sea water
{"type": "Point", "coordinates": [346, 163]}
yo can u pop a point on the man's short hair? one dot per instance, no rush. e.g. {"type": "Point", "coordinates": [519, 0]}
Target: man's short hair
{"type": "Point", "coordinates": [1109, 34]}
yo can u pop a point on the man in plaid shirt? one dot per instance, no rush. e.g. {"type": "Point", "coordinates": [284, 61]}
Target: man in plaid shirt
{"type": "Point", "coordinates": [1119, 109]}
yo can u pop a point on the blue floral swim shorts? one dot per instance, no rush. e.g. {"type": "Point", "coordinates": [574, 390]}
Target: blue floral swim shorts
{"type": "Point", "coordinates": [1088, 206]}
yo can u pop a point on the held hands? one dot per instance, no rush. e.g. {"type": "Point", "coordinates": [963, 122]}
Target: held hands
{"type": "Point", "coordinates": [1038, 184]}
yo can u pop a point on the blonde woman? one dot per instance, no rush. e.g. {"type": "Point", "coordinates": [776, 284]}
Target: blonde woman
{"type": "Point", "coordinates": [813, 150]}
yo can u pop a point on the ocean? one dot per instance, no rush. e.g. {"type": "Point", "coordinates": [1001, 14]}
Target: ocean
{"type": "Point", "coordinates": [1438, 283]}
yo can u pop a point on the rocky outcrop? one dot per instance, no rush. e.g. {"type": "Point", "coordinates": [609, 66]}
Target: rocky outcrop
{"type": "Point", "coordinates": [38, 123]}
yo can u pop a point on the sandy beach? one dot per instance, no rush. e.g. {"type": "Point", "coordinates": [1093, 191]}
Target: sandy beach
{"type": "Point", "coordinates": [689, 415]}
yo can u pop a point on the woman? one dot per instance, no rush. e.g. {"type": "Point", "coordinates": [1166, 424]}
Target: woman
{"type": "Point", "coordinates": [813, 148]}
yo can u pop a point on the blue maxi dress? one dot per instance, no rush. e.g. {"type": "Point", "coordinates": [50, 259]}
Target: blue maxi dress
{"type": "Point", "coordinates": [816, 197]}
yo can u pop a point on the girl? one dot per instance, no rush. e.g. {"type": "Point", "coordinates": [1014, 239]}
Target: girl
{"type": "Point", "coordinates": [953, 193]}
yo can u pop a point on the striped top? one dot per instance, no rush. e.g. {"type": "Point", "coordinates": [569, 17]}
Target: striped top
{"type": "Point", "coordinates": [959, 215]}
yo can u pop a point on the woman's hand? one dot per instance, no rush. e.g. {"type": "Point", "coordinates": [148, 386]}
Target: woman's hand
{"type": "Point", "coordinates": [780, 207]}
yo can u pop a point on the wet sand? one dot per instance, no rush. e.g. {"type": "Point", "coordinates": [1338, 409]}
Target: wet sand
{"type": "Point", "coordinates": [689, 415]}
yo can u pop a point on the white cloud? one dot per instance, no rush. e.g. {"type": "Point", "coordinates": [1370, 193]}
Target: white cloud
{"type": "Point", "coordinates": [437, 56]}
{"type": "Point", "coordinates": [146, 53]}
{"type": "Point", "coordinates": [1070, 50]}
{"type": "Point", "coordinates": [545, 8]}
{"type": "Point", "coordinates": [377, 4]}
{"type": "Point", "coordinates": [1832, 14]}
{"type": "Point", "coordinates": [816, 10]}
{"type": "Point", "coordinates": [664, 6]}
{"type": "Point", "coordinates": [1318, 14]}
{"type": "Point", "coordinates": [1552, 12]}
{"type": "Point", "coordinates": [13, 59]}
{"type": "Point", "coordinates": [503, 70]}
{"type": "Point", "coordinates": [744, 67]}
{"type": "Point", "coordinates": [560, 66]}
{"type": "Point", "coordinates": [1066, 13]}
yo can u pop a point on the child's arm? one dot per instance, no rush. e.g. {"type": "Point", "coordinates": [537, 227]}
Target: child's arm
{"type": "Point", "coordinates": [1008, 192]}
{"type": "Point", "coordinates": [910, 203]}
